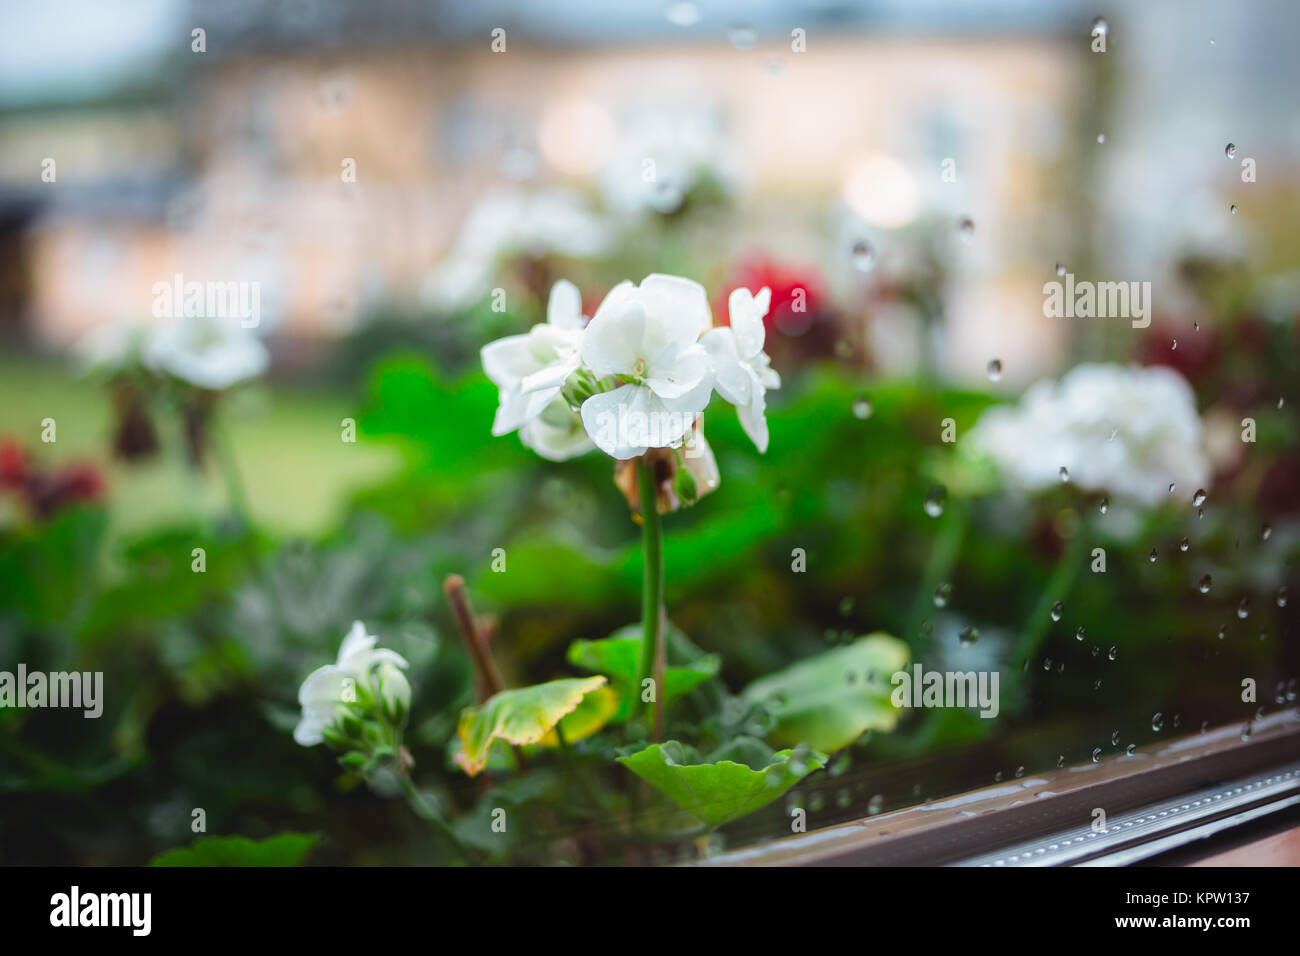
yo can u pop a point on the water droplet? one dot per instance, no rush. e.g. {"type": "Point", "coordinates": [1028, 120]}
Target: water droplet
{"type": "Point", "coordinates": [1101, 139]}
{"type": "Point", "coordinates": [942, 593]}
{"type": "Point", "coordinates": [1130, 750]}
{"type": "Point", "coordinates": [1243, 609]}
{"type": "Point", "coordinates": [875, 805]}
{"type": "Point", "coordinates": [1231, 149]}
{"type": "Point", "coordinates": [1060, 761]}
{"type": "Point", "coordinates": [935, 500]}
{"type": "Point", "coordinates": [1171, 487]}
{"type": "Point", "coordinates": [1096, 685]}
{"type": "Point", "coordinates": [1204, 584]}
{"type": "Point", "coordinates": [1057, 608]}
{"type": "Point", "coordinates": [966, 228]}
{"type": "Point", "coordinates": [1173, 345]}
{"type": "Point", "coordinates": [1184, 545]}
{"type": "Point", "coordinates": [1233, 209]}
{"type": "Point", "coordinates": [1223, 631]}
{"type": "Point", "coordinates": [1245, 732]}
{"type": "Point", "coordinates": [862, 409]}
{"type": "Point", "coordinates": [1158, 721]}
{"type": "Point", "coordinates": [1152, 556]}
{"type": "Point", "coordinates": [1064, 473]}
{"type": "Point", "coordinates": [1080, 634]}
{"type": "Point", "coordinates": [1047, 663]}
{"type": "Point", "coordinates": [1113, 652]}
{"type": "Point", "coordinates": [1266, 532]}
{"type": "Point", "coordinates": [1105, 505]}
{"type": "Point", "coordinates": [995, 370]}
{"type": "Point", "coordinates": [1100, 27]}
{"type": "Point", "coordinates": [864, 257]}
{"type": "Point", "coordinates": [1096, 755]}
{"type": "Point", "coordinates": [968, 635]}
{"type": "Point", "coordinates": [1198, 499]}
{"type": "Point", "coordinates": [742, 36]}
{"type": "Point", "coordinates": [1281, 596]}
{"type": "Point", "coordinates": [1060, 268]}
{"type": "Point", "coordinates": [846, 606]}
{"type": "Point", "coordinates": [1114, 738]}
{"type": "Point", "coordinates": [1281, 402]}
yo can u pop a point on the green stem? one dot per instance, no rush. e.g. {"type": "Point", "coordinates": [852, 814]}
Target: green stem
{"type": "Point", "coordinates": [652, 587]}
{"type": "Point", "coordinates": [1057, 589]}
{"type": "Point", "coordinates": [428, 814]}
{"type": "Point", "coordinates": [230, 473]}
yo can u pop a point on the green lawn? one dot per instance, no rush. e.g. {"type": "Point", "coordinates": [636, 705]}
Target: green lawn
{"type": "Point", "coordinates": [296, 470]}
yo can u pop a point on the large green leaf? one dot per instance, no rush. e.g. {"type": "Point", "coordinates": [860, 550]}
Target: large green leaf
{"type": "Point", "coordinates": [830, 699]}
{"type": "Point", "coordinates": [725, 790]}
{"type": "Point", "coordinates": [521, 716]}
{"type": "Point", "coordinates": [618, 657]}
{"type": "Point", "coordinates": [283, 849]}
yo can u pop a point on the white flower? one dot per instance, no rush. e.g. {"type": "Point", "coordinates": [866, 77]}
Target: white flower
{"type": "Point", "coordinates": [647, 337]}
{"type": "Point", "coordinates": [742, 371]}
{"type": "Point", "coordinates": [661, 154]}
{"type": "Point", "coordinates": [324, 688]}
{"type": "Point", "coordinates": [211, 353]}
{"type": "Point", "coordinates": [530, 369]}
{"type": "Point", "coordinates": [1130, 431]}
{"type": "Point", "coordinates": [110, 347]}
{"type": "Point", "coordinates": [557, 433]}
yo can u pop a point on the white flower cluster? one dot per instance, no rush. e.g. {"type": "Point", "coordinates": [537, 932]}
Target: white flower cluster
{"type": "Point", "coordinates": [637, 376]}
{"type": "Point", "coordinates": [363, 674]}
{"type": "Point", "coordinates": [1127, 430]}
{"type": "Point", "coordinates": [210, 353]}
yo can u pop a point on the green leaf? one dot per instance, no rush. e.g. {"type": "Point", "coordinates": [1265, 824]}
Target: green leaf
{"type": "Point", "coordinates": [830, 699]}
{"type": "Point", "coordinates": [618, 657]}
{"type": "Point", "coordinates": [719, 792]}
{"type": "Point", "coordinates": [521, 716]}
{"type": "Point", "coordinates": [283, 849]}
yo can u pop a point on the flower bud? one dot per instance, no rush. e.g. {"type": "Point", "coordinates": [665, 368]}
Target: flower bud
{"type": "Point", "coordinates": [394, 692]}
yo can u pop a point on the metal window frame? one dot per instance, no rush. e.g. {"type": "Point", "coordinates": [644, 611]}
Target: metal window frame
{"type": "Point", "coordinates": [1156, 799]}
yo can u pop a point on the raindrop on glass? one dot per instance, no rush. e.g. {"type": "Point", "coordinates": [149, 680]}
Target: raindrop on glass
{"type": "Point", "coordinates": [942, 593]}
{"type": "Point", "coordinates": [862, 409]}
{"type": "Point", "coordinates": [1157, 721]}
{"type": "Point", "coordinates": [875, 805]}
{"type": "Point", "coordinates": [1100, 27]}
{"type": "Point", "coordinates": [1105, 505]}
{"type": "Point", "coordinates": [1243, 609]}
{"type": "Point", "coordinates": [1204, 584]}
{"type": "Point", "coordinates": [995, 370]}
{"type": "Point", "coordinates": [1266, 532]}
{"type": "Point", "coordinates": [1060, 268]}
{"type": "Point", "coordinates": [1057, 608]}
{"type": "Point", "coordinates": [1080, 634]}
{"type": "Point", "coordinates": [1230, 150]}
{"type": "Point", "coordinates": [966, 228]}
{"type": "Point", "coordinates": [1130, 750]}
{"type": "Point", "coordinates": [1233, 209]}
{"type": "Point", "coordinates": [1064, 473]}
{"type": "Point", "coordinates": [935, 500]}
{"type": "Point", "coordinates": [968, 635]}
{"type": "Point", "coordinates": [1113, 652]}
{"type": "Point", "coordinates": [1096, 755]}
{"type": "Point", "coordinates": [1281, 597]}
{"type": "Point", "coordinates": [864, 257]}
{"type": "Point", "coordinates": [742, 36]}
{"type": "Point", "coordinates": [1184, 545]}
{"type": "Point", "coordinates": [1101, 139]}
{"type": "Point", "coordinates": [1152, 556]}
{"type": "Point", "coordinates": [1198, 499]}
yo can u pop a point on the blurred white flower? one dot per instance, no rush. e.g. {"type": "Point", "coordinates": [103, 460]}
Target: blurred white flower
{"type": "Point", "coordinates": [210, 353]}
{"type": "Point", "coordinates": [530, 369]}
{"type": "Point", "coordinates": [109, 347]}
{"type": "Point", "coordinates": [508, 222]}
{"type": "Point", "coordinates": [324, 688]}
{"type": "Point", "coordinates": [647, 338]}
{"type": "Point", "coordinates": [660, 154]}
{"type": "Point", "coordinates": [557, 433]}
{"type": "Point", "coordinates": [1126, 430]}
{"type": "Point", "coordinates": [742, 371]}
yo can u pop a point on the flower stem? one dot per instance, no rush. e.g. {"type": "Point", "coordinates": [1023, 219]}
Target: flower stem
{"type": "Point", "coordinates": [428, 814]}
{"type": "Point", "coordinates": [652, 589]}
{"type": "Point", "coordinates": [1057, 589]}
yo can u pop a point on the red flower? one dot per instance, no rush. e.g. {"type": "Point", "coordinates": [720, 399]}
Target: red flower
{"type": "Point", "coordinates": [798, 293]}
{"type": "Point", "coordinates": [14, 470]}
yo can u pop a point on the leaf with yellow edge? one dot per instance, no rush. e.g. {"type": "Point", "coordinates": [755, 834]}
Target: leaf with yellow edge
{"type": "Point", "coordinates": [592, 713]}
{"type": "Point", "coordinates": [521, 716]}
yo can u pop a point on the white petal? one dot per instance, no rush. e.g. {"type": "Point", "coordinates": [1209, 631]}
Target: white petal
{"type": "Point", "coordinates": [731, 378]}
{"type": "Point", "coordinates": [605, 417]}
{"type": "Point", "coordinates": [614, 340]}
{"type": "Point", "coordinates": [356, 642]}
{"type": "Point", "coordinates": [508, 360]}
{"type": "Point", "coordinates": [753, 419]}
{"type": "Point", "coordinates": [564, 306]}
{"type": "Point", "coordinates": [557, 434]}
{"type": "Point", "coordinates": [747, 320]}
{"type": "Point", "coordinates": [673, 375]}
{"type": "Point", "coordinates": [681, 305]}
